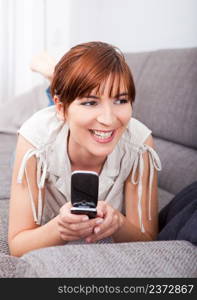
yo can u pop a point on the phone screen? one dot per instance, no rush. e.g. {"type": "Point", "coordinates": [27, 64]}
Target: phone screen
{"type": "Point", "coordinates": [84, 192]}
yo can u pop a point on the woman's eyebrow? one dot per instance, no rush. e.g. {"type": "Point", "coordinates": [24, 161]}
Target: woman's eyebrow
{"type": "Point", "coordinates": [121, 94]}
{"type": "Point", "coordinates": [92, 96]}
{"type": "Point", "coordinates": [118, 95]}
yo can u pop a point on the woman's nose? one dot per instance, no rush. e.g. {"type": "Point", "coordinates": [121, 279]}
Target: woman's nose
{"type": "Point", "coordinates": [106, 116]}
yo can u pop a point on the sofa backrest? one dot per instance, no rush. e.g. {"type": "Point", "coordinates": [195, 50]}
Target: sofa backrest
{"type": "Point", "coordinates": [166, 93]}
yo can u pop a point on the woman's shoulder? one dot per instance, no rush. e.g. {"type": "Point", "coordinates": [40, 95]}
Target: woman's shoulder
{"type": "Point", "coordinates": [131, 143]}
{"type": "Point", "coordinates": [41, 127]}
{"type": "Point", "coordinates": [137, 132]}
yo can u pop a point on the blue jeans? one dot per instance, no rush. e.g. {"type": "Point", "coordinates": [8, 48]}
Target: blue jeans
{"type": "Point", "coordinates": [48, 92]}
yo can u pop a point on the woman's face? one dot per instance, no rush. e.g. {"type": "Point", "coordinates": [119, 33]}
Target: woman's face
{"type": "Point", "coordinates": [96, 122]}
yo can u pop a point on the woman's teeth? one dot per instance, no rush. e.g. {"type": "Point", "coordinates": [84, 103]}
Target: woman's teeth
{"type": "Point", "coordinates": [102, 135]}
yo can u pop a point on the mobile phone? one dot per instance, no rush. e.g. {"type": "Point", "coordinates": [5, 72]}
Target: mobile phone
{"type": "Point", "coordinates": [84, 192]}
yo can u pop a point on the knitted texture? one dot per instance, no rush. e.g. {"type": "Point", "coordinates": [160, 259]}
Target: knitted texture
{"type": "Point", "coordinates": [7, 265]}
{"type": "Point", "coordinates": [4, 226]}
{"type": "Point", "coordinates": [139, 259]}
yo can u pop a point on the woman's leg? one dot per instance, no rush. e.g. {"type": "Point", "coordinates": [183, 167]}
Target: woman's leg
{"type": "Point", "coordinates": [45, 65]}
{"type": "Point", "coordinates": [51, 102]}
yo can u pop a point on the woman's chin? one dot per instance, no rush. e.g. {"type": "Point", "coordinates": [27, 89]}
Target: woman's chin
{"type": "Point", "coordinates": [101, 153]}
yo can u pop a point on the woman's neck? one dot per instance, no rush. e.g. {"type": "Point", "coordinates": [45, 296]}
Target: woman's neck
{"type": "Point", "coordinates": [82, 160]}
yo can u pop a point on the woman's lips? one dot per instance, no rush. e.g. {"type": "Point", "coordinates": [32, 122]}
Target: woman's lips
{"type": "Point", "coordinates": [104, 136]}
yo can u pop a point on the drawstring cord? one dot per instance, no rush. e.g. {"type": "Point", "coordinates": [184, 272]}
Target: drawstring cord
{"type": "Point", "coordinates": [138, 164]}
{"type": "Point", "coordinates": [41, 176]}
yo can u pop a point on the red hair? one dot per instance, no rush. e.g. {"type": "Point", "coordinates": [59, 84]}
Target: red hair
{"type": "Point", "coordinates": [85, 67]}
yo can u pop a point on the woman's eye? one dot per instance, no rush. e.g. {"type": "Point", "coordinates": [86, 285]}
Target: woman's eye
{"type": "Point", "coordinates": [121, 101]}
{"type": "Point", "coordinates": [89, 103]}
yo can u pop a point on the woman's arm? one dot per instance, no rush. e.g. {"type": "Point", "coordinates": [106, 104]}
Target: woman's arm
{"type": "Point", "coordinates": [24, 234]}
{"type": "Point", "coordinates": [130, 230]}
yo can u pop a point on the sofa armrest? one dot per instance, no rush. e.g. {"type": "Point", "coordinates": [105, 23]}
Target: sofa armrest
{"type": "Point", "coordinates": [139, 259]}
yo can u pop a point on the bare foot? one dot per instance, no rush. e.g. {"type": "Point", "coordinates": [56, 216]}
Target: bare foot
{"type": "Point", "coordinates": [44, 64]}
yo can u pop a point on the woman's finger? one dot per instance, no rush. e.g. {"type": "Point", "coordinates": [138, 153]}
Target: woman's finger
{"type": "Point", "coordinates": [101, 209]}
{"type": "Point", "coordinates": [108, 227]}
{"type": "Point", "coordinates": [97, 237]}
{"type": "Point", "coordinates": [67, 216]}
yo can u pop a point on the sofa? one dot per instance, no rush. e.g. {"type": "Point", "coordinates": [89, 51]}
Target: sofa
{"type": "Point", "coordinates": [166, 101]}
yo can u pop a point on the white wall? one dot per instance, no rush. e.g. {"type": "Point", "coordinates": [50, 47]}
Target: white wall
{"type": "Point", "coordinates": [57, 26]}
{"type": "Point", "coordinates": [28, 27]}
{"type": "Point", "coordinates": [132, 25]}
{"type": "Point", "coordinates": [21, 36]}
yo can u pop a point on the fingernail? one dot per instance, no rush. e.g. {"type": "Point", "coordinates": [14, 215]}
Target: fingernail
{"type": "Point", "coordinates": [85, 218]}
{"type": "Point", "coordinates": [97, 229]}
{"type": "Point", "coordinates": [99, 221]}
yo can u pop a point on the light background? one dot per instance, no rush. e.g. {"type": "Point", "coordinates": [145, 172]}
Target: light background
{"type": "Point", "coordinates": [27, 27]}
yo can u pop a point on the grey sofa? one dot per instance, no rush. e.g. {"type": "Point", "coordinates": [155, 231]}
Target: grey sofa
{"type": "Point", "coordinates": [166, 101]}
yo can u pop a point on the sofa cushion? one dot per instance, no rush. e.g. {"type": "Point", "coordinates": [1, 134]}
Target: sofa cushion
{"type": "Point", "coordinates": [139, 259]}
{"type": "Point", "coordinates": [4, 226]}
{"type": "Point", "coordinates": [178, 165]}
{"type": "Point", "coordinates": [7, 265]}
{"type": "Point", "coordinates": [166, 94]}
{"type": "Point", "coordinates": [16, 111]}
{"type": "Point", "coordinates": [137, 62]}
{"type": "Point", "coordinates": [164, 197]}
{"type": "Point", "coordinates": [7, 149]}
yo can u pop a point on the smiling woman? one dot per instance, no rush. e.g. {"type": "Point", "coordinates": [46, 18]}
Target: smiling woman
{"type": "Point", "coordinates": [89, 128]}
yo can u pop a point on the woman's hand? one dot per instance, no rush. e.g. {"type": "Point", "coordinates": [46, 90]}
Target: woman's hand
{"type": "Point", "coordinates": [74, 227]}
{"type": "Point", "coordinates": [112, 221]}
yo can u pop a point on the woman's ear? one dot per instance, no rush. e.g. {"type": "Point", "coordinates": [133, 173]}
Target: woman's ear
{"type": "Point", "coordinates": [59, 108]}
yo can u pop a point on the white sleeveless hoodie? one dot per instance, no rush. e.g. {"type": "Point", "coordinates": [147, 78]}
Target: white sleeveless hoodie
{"type": "Point", "coordinates": [48, 136]}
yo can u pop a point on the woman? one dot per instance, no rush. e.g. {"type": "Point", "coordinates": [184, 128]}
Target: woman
{"type": "Point", "coordinates": [89, 128]}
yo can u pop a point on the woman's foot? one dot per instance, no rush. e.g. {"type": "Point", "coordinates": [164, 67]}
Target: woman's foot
{"type": "Point", "coordinates": [44, 64]}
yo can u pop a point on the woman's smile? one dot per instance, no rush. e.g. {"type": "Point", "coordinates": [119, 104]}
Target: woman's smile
{"type": "Point", "coordinates": [101, 136]}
